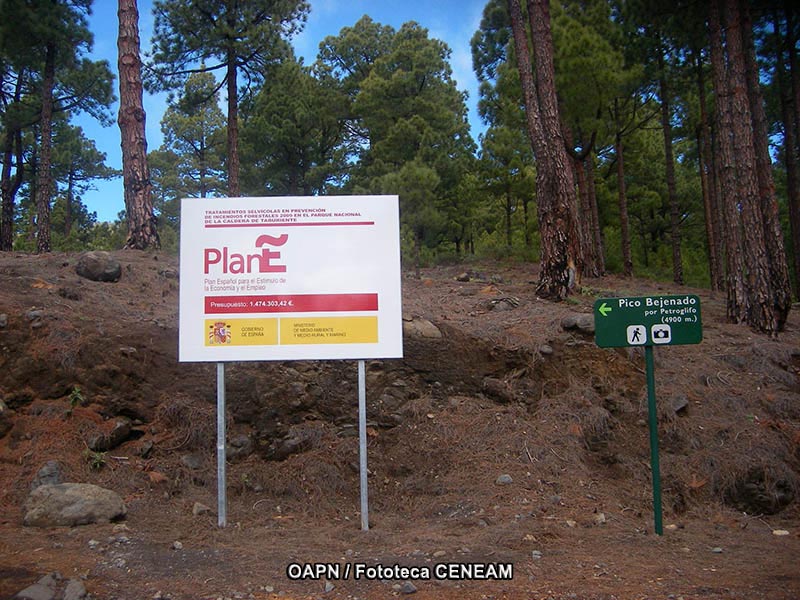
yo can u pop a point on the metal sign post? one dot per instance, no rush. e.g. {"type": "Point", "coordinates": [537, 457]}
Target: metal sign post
{"type": "Point", "coordinates": [222, 501]}
{"type": "Point", "coordinates": [652, 424]}
{"type": "Point", "coordinates": [362, 445]}
{"type": "Point", "coordinates": [649, 321]}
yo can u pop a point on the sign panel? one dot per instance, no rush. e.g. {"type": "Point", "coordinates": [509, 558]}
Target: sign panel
{"type": "Point", "coordinates": [294, 278]}
{"type": "Point", "coordinates": [647, 321]}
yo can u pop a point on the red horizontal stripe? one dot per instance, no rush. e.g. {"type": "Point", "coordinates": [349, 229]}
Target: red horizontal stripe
{"type": "Point", "coordinates": [290, 303]}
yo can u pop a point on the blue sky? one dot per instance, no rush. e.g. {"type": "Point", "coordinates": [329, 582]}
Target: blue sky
{"type": "Point", "coordinates": [452, 21]}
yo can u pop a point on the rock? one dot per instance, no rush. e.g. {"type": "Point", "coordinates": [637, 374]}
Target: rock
{"type": "Point", "coordinates": [503, 303]}
{"type": "Point", "coordinates": [536, 554]}
{"type": "Point", "coordinates": [583, 322]}
{"type": "Point", "coordinates": [69, 293]}
{"type": "Point", "coordinates": [70, 504]}
{"type": "Point", "coordinates": [498, 390]}
{"type": "Point", "coordinates": [545, 350]}
{"type": "Point", "coordinates": [75, 590]}
{"type": "Point", "coordinates": [679, 402]}
{"type": "Point", "coordinates": [176, 545]}
{"type": "Point", "coordinates": [600, 519]}
{"type": "Point", "coordinates": [463, 277]}
{"type": "Point", "coordinates": [51, 473]}
{"type": "Point", "coordinates": [439, 554]}
{"type": "Point", "coordinates": [301, 437]}
{"type": "Point", "coordinates": [5, 419]}
{"type": "Point", "coordinates": [193, 461]}
{"type": "Point", "coordinates": [504, 479]}
{"type": "Point", "coordinates": [408, 588]}
{"type": "Point", "coordinates": [100, 442]}
{"type": "Point", "coordinates": [145, 448]}
{"type": "Point", "coordinates": [3, 321]}
{"type": "Point", "coordinates": [780, 532]}
{"type": "Point", "coordinates": [569, 322]}
{"type": "Point", "coordinates": [328, 587]}
{"type": "Point", "coordinates": [99, 266]}
{"type": "Point", "coordinates": [44, 589]}
{"type": "Point", "coordinates": [200, 509]}
{"type": "Point", "coordinates": [421, 328]}
{"type": "Point", "coordinates": [239, 446]}
{"type": "Point", "coordinates": [716, 550]}
{"type": "Point", "coordinates": [34, 314]}
{"type": "Point", "coordinates": [169, 273]}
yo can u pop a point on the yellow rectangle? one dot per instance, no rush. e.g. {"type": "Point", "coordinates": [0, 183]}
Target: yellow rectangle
{"type": "Point", "coordinates": [329, 330]}
{"type": "Point", "coordinates": [241, 332]}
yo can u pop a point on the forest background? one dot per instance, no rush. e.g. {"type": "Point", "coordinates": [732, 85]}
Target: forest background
{"type": "Point", "coordinates": [378, 111]}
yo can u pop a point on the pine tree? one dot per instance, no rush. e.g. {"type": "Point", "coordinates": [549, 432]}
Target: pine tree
{"type": "Point", "coordinates": [142, 231]}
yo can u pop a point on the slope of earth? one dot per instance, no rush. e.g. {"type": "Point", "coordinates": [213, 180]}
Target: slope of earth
{"type": "Point", "coordinates": [501, 438]}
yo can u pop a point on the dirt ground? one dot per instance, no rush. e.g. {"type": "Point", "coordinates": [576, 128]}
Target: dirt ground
{"type": "Point", "coordinates": [504, 391]}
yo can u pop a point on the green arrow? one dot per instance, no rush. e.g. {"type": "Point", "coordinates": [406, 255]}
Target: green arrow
{"type": "Point", "coordinates": [604, 309]}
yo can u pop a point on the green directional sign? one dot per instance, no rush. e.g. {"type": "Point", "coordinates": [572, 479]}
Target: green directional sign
{"type": "Point", "coordinates": [647, 321]}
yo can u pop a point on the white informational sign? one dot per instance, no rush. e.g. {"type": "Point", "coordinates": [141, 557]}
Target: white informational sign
{"type": "Point", "coordinates": [295, 278]}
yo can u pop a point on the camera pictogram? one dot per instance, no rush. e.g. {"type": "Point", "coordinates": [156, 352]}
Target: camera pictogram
{"type": "Point", "coordinates": [661, 333]}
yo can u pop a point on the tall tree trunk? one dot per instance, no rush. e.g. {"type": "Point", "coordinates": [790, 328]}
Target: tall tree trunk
{"type": "Point", "coordinates": [68, 205]}
{"type": "Point", "coordinates": [142, 232]}
{"type": "Point", "coordinates": [737, 302]}
{"type": "Point", "coordinates": [760, 291]}
{"type": "Point", "coordinates": [669, 162]}
{"type": "Point", "coordinates": [585, 222]}
{"type": "Point", "coordinates": [789, 145]}
{"type": "Point", "coordinates": [44, 187]}
{"type": "Point", "coordinates": [508, 210]}
{"type": "Point", "coordinates": [597, 230]}
{"type": "Point", "coordinates": [561, 262]}
{"type": "Point", "coordinates": [768, 203]}
{"type": "Point", "coordinates": [10, 184]}
{"type": "Point", "coordinates": [526, 220]}
{"type": "Point", "coordinates": [6, 185]}
{"type": "Point", "coordinates": [624, 221]}
{"type": "Point", "coordinates": [794, 68]}
{"type": "Point", "coordinates": [233, 126]}
{"type": "Point", "coordinates": [707, 183]}
{"type": "Point", "coordinates": [563, 259]}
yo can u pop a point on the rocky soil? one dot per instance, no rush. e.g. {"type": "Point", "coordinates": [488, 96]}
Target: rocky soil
{"type": "Point", "coordinates": [504, 437]}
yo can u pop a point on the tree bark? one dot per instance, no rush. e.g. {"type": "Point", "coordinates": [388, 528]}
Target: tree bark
{"type": "Point", "coordinates": [509, 206]}
{"type": "Point", "coordinates": [45, 184]}
{"type": "Point", "coordinates": [68, 204]}
{"type": "Point", "coordinates": [10, 184]}
{"type": "Point", "coordinates": [597, 230]}
{"type": "Point", "coordinates": [768, 203]}
{"type": "Point", "coordinates": [789, 144]}
{"type": "Point", "coordinates": [669, 161]}
{"type": "Point", "coordinates": [713, 237]}
{"type": "Point", "coordinates": [624, 221]}
{"type": "Point", "coordinates": [585, 221]}
{"type": "Point", "coordinates": [142, 231]}
{"type": "Point", "coordinates": [737, 303]}
{"type": "Point", "coordinates": [234, 190]}
{"type": "Point", "coordinates": [560, 262]}
{"type": "Point", "coordinates": [760, 291]}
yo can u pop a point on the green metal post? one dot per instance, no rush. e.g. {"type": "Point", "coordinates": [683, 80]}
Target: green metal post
{"type": "Point", "coordinates": [653, 425]}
